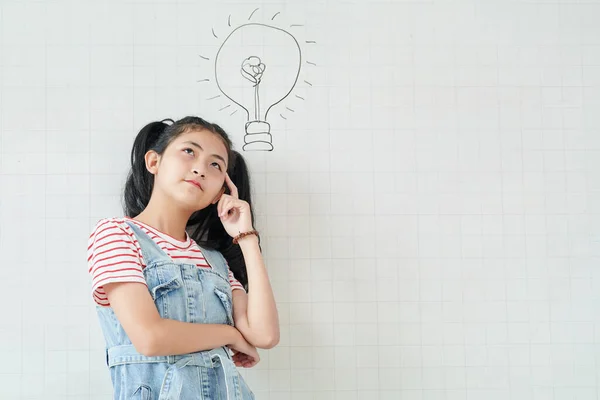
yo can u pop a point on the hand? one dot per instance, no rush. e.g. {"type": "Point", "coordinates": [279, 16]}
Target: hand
{"type": "Point", "coordinates": [234, 213]}
{"type": "Point", "coordinates": [243, 360]}
{"type": "Point", "coordinates": [244, 354]}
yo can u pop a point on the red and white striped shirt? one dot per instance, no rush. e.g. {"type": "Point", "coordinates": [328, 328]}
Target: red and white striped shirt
{"type": "Point", "coordinates": [114, 255]}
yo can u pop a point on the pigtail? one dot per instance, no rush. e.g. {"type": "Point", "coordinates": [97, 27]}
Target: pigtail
{"type": "Point", "coordinates": [139, 183]}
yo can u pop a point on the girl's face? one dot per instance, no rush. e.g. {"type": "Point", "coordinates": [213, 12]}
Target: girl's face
{"type": "Point", "coordinates": [191, 170]}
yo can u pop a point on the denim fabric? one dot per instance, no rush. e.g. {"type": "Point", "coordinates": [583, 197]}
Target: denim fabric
{"type": "Point", "coordinates": [185, 293]}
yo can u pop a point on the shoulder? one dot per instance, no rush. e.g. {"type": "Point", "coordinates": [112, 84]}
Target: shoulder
{"type": "Point", "coordinates": [110, 223]}
{"type": "Point", "coordinates": [107, 228]}
{"type": "Point", "coordinates": [111, 238]}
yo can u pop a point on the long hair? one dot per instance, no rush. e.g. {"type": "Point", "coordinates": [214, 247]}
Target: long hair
{"type": "Point", "coordinates": [204, 226]}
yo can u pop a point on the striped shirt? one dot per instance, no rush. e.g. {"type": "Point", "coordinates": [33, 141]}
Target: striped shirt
{"type": "Point", "coordinates": [114, 255]}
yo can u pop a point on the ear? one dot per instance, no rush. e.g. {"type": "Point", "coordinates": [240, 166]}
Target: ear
{"type": "Point", "coordinates": [152, 161]}
{"type": "Point", "coordinates": [218, 196]}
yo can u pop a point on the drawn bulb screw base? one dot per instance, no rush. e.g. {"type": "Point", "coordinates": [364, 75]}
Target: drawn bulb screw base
{"type": "Point", "coordinates": [258, 136]}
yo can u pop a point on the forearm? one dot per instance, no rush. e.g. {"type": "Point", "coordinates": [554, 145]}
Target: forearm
{"type": "Point", "coordinates": [171, 337]}
{"type": "Point", "coordinates": [263, 319]}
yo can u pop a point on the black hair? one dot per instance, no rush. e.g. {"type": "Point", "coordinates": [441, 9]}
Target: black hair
{"type": "Point", "coordinates": [204, 226]}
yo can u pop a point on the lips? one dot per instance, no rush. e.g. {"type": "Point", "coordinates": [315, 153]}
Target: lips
{"type": "Point", "coordinates": [197, 184]}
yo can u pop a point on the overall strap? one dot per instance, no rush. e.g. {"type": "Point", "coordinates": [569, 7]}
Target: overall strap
{"type": "Point", "coordinates": [215, 259]}
{"type": "Point", "coordinates": [151, 251]}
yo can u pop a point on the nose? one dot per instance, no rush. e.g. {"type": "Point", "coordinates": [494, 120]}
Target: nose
{"type": "Point", "coordinates": [196, 172]}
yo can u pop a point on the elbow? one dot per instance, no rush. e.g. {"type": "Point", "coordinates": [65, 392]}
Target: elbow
{"type": "Point", "coordinates": [147, 343]}
{"type": "Point", "coordinates": [269, 342]}
{"type": "Point", "coordinates": [147, 351]}
{"type": "Point", "coordinates": [146, 347]}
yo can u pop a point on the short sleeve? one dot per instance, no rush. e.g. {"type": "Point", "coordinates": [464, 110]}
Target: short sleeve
{"type": "Point", "coordinates": [235, 284]}
{"type": "Point", "coordinates": [113, 256]}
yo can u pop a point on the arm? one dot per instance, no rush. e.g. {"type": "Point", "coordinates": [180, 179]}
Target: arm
{"type": "Point", "coordinates": [112, 243]}
{"type": "Point", "coordinates": [152, 335]}
{"type": "Point", "coordinates": [255, 314]}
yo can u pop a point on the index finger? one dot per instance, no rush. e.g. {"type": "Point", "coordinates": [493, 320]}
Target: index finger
{"type": "Point", "coordinates": [232, 188]}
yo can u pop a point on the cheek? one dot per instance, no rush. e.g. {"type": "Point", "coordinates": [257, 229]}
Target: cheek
{"type": "Point", "coordinates": [219, 184]}
{"type": "Point", "coordinates": [174, 170]}
{"type": "Point", "coordinates": [222, 182]}
{"type": "Point", "coordinates": [182, 162]}
{"type": "Point", "coordinates": [216, 187]}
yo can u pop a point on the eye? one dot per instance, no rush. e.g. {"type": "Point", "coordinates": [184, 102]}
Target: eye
{"type": "Point", "coordinates": [218, 165]}
{"type": "Point", "coordinates": [189, 150]}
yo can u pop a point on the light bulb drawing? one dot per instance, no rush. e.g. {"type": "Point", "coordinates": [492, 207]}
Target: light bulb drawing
{"type": "Point", "coordinates": [256, 67]}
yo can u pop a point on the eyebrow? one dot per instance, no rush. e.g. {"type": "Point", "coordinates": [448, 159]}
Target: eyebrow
{"type": "Point", "coordinates": [200, 147]}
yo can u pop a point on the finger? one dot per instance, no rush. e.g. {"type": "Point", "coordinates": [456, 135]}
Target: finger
{"type": "Point", "coordinates": [220, 204]}
{"type": "Point", "coordinates": [223, 204]}
{"type": "Point", "coordinates": [232, 188]}
{"type": "Point", "coordinates": [225, 210]}
{"type": "Point", "coordinates": [230, 208]}
{"type": "Point", "coordinates": [243, 361]}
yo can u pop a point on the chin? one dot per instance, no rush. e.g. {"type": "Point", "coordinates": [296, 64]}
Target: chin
{"type": "Point", "coordinates": [194, 206]}
{"type": "Point", "coordinates": [192, 201]}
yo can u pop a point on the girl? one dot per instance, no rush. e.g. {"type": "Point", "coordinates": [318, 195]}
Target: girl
{"type": "Point", "coordinates": [170, 309]}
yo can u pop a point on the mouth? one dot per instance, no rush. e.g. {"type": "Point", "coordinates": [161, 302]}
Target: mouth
{"type": "Point", "coordinates": [197, 184]}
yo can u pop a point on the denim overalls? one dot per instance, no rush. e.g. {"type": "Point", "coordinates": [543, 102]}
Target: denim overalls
{"type": "Point", "coordinates": [186, 293]}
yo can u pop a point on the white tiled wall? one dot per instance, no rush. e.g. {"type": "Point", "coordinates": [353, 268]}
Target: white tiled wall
{"type": "Point", "coordinates": [430, 214]}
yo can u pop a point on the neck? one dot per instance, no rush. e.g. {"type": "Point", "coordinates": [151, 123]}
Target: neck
{"type": "Point", "coordinates": [165, 218]}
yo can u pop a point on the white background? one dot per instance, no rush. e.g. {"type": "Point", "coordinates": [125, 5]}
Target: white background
{"type": "Point", "coordinates": [429, 214]}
